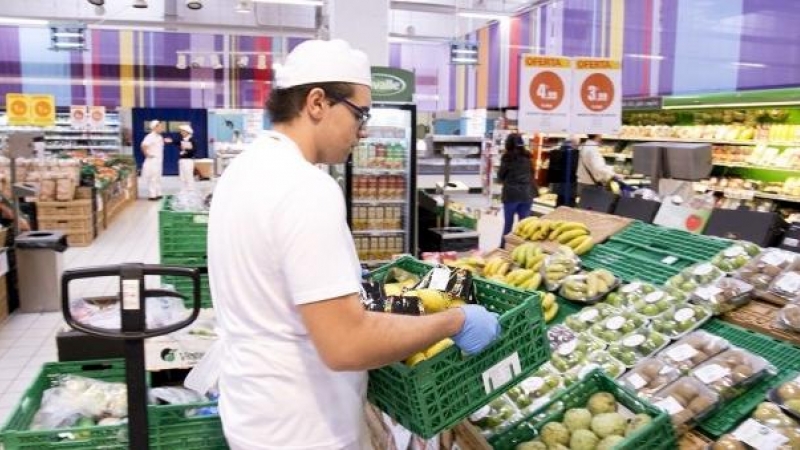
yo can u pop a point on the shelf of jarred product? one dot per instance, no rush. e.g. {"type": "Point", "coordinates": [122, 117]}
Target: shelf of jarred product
{"type": "Point", "coordinates": [367, 202]}
{"type": "Point", "coordinates": [453, 162]}
{"type": "Point", "coordinates": [378, 140]}
{"type": "Point", "coordinates": [377, 232]}
{"type": "Point", "coordinates": [377, 171]}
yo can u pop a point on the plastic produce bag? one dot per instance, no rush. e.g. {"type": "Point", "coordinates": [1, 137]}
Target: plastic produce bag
{"type": "Point", "coordinates": [161, 311]}
{"type": "Point", "coordinates": [789, 317]}
{"type": "Point", "coordinates": [691, 278]}
{"type": "Point", "coordinates": [557, 267]}
{"type": "Point", "coordinates": [723, 296]}
{"type": "Point", "coordinates": [189, 201]}
{"type": "Point", "coordinates": [736, 256]}
{"type": "Point", "coordinates": [787, 284]}
{"type": "Point", "coordinates": [761, 270]}
{"type": "Point", "coordinates": [174, 396]}
{"type": "Point", "coordinates": [77, 397]}
{"type": "Point", "coordinates": [731, 370]}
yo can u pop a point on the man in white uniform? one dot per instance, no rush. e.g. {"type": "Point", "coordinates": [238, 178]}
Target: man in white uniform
{"type": "Point", "coordinates": [152, 168]}
{"type": "Point", "coordinates": [285, 277]}
{"type": "Point", "coordinates": [186, 148]}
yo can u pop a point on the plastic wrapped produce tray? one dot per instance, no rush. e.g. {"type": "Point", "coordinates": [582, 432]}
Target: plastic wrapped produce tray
{"type": "Point", "coordinates": [628, 267]}
{"type": "Point", "coordinates": [438, 393]}
{"type": "Point", "coordinates": [171, 426]}
{"type": "Point", "coordinates": [784, 356]}
{"type": "Point", "coordinates": [659, 434]}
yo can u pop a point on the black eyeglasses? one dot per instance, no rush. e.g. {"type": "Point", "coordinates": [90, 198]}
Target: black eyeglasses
{"type": "Point", "coordinates": [361, 114]}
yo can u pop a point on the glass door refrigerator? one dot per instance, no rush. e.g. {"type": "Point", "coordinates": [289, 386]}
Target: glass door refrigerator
{"type": "Point", "coordinates": [380, 185]}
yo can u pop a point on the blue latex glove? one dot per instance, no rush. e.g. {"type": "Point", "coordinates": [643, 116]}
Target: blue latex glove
{"type": "Point", "coordinates": [480, 329]}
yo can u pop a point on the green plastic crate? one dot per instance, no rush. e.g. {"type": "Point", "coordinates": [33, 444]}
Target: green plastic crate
{"type": "Point", "coordinates": [659, 434]}
{"type": "Point", "coordinates": [628, 267]}
{"type": "Point", "coordinates": [654, 255]}
{"type": "Point", "coordinates": [184, 285]}
{"type": "Point", "coordinates": [171, 426]}
{"type": "Point", "coordinates": [181, 232]}
{"type": "Point", "coordinates": [784, 356]}
{"type": "Point", "coordinates": [440, 392]}
{"type": "Point", "coordinates": [681, 244]}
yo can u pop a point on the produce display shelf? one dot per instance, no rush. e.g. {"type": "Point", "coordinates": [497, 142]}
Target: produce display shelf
{"type": "Point", "coordinates": [657, 435]}
{"type": "Point", "coordinates": [628, 267]}
{"type": "Point", "coordinates": [440, 392]}
{"type": "Point", "coordinates": [701, 140]}
{"type": "Point", "coordinates": [751, 166]}
{"type": "Point", "coordinates": [678, 243]}
{"type": "Point", "coordinates": [784, 356]}
{"type": "Point", "coordinates": [171, 426]}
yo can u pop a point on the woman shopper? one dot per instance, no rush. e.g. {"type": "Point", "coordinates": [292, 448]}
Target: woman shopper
{"type": "Point", "coordinates": [152, 167]}
{"type": "Point", "coordinates": [592, 168]}
{"type": "Point", "coordinates": [187, 147]}
{"type": "Point", "coordinates": [516, 174]}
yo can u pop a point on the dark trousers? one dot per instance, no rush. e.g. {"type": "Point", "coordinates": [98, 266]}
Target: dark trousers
{"type": "Point", "coordinates": [511, 209]}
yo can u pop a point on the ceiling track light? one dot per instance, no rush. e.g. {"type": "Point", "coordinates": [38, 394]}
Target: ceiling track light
{"type": "Point", "coordinates": [141, 4]}
{"type": "Point", "coordinates": [194, 4]}
{"type": "Point", "coordinates": [244, 6]}
{"type": "Point", "coordinates": [181, 62]}
{"type": "Point", "coordinates": [97, 2]}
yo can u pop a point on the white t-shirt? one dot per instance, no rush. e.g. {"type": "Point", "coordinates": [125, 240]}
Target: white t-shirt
{"type": "Point", "coordinates": [155, 145]}
{"type": "Point", "coordinates": [278, 238]}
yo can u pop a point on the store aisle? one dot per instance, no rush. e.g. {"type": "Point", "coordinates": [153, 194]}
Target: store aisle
{"type": "Point", "coordinates": [28, 340]}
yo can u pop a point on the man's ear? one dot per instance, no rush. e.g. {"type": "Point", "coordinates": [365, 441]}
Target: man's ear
{"type": "Point", "coordinates": [316, 103]}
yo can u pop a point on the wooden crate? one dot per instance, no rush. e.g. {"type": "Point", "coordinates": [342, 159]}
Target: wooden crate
{"type": "Point", "coordinates": [68, 226]}
{"type": "Point", "coordinates": [762, 317]}
{"type": "Point", "coordinates": [513, 241]}
{"type": "Point", "coordinates": [464, 436]}
{"type": "Point", "coordinates": [83, 193]}
{"type": "Point", "coordinates": [80, 239]}
{"type": "Point", "coordinates": [75, 209]}
{"type": "Point", "coordinates": [601, 226]}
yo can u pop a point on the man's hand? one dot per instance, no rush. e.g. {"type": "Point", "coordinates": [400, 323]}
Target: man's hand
{"type": "Point", "coordinates": [481, 327]}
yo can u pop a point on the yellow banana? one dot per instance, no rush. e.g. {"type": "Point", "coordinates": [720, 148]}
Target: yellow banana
{"type": "Point", "coordinates": [607, 276]}
{"type": "Point", "coordinates": [548, 300]}
{"type": "Point", "coordinates": [591, 285]}
{"type": "Point", "coordinates": [503, 269]}
{"type": "Point", "coordinates": [550, 313]}
{"type": "Point", "coordinates": [568, 236]}
{"type": "Point", "coordinates": [574, 243]}
{"type": "Point", "coordinates": [585, 246]}
{"type": "Point", "coordinates": [533, 282]}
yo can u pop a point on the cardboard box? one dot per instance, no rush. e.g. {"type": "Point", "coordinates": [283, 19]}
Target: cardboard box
{"type": "Point", "coordinates": [171, 352]}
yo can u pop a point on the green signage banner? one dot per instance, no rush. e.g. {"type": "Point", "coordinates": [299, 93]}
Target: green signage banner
{"type": "Point", "coordinates": [392, 85]}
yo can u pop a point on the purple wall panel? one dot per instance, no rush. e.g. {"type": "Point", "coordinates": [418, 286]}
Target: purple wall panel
{"type": "Point", "coordinates": [578, 27]}
{"type": "Point", "coordinates": [669, 26]}
{"type": "Point", "coordinates": [105, 57]}
{"type": "Point", "coordinates": [494, 66]}
{"type": "Point", "coordinates": [769, 37]}
{"type": "Point", "coordinates": [637, 34]}
{"type": "Point", "coordinates": [395, 55]}
{"type": "Point", "coordinates": [10, 67]}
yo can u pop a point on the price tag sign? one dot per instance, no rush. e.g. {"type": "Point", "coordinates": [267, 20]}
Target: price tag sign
{"type": "Point", "coordinates": [77, 116]}
{"type": "Point", "coordinates": [43, 110]}
{"type": "Point", "coordinates": [18, 109]}
{"type": "Point", "coordinates": [596, 96]}
{"type": "Point", "coordinates": [544, 103]}
{"type": "Point", "coordinates": [97, 117]}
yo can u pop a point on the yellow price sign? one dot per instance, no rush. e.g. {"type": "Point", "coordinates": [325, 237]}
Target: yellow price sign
{"type": "Point", "coordinates": [43, 110]}
{"type": "Point", "coordinates": [18, 109]}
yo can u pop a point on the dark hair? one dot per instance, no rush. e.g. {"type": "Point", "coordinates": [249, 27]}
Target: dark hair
{"type": "Point", "coordinates": [285, 105]}
{"type": "Point", "coordinates": [592, 136]}
{"type": "Point", "coordinates": [515, 147]}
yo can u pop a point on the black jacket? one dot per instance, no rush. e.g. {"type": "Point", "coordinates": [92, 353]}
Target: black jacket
{"type": "Point", "coordinates": [189, 153]}
{"type": "Point", "coordinates": [516, 174]}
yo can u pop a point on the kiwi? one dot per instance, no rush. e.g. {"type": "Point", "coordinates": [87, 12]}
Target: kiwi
{"type": "Point", "coordinates": [741, 373]}
{"type": "Point", "coordinates": [700, 404]}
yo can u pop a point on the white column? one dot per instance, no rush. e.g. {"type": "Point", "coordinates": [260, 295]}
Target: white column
{"type": "Point", "coordinates": [364, 24]}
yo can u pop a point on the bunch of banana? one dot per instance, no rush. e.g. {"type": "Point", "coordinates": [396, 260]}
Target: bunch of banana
{"type": "Point", "coordinates": [430, 352]}
{"type": "Point", "coordinates": [557, 267]}
{"type": "Point", "coordinates": [432, 300]}
{"type": "Point", "coordinates": [496, 267]}
{"type": "Point", "coordinates": [397, 288]}
{"type": "Point", "coordinates": [528, 255]}
{"type": "Point", "coordinates": [588, 286]}
{"type": "Point", "coordinates": [472, 263]}
{"type": "Point", "coordinates": [527, 279]}
{"type": "Point", "coordinates": [549, 306]}
{"type": "Point", "coordinates": [534, 228]}
{"type": "Point", "coordinates": [574, 235]}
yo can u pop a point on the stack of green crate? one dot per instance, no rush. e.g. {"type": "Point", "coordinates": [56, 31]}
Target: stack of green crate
{"type": "Point", "coordinates": [194, 426]}
{"type": "Point", "coordinates": [652, 253]}
{"type": "Point", "coordinates": [182, 240]}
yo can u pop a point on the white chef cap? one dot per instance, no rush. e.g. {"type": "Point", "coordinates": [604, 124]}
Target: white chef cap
{"type": "Point", "coordinates": [316, 61]}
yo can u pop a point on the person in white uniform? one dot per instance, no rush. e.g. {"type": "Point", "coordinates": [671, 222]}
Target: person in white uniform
{"type": "Point", "coordinates": [295, 341]}
{"type": "Point", "coordinates": [152, 168]}
{"type": "Point", "coordinates": [592, 167]}
{"type": "Point", "coordinates": [187, 147]}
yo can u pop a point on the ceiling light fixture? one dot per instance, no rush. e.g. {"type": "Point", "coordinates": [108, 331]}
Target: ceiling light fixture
{"type": "Point", "coordinates": [293, 2]}
{"type": "Point", "coordinates": [242, 62]}
{"type": "Point", "coordinates": [197, 62]}
{"type": "Point", "coordinates": [140, 4]}
{"type": "Point", "coordinates": [483, 15]}
{"type": "Point", "coordinates": [21, 21]}
{"type": "Point", "coordinates": [748, 64]}
{"type": "Point", "coordinates": [181, 62]}
{"type": "Point", "coordinates": [97, 2]}
{"type": "Point", "coordinates": [194, 4]}
{"type": "Point", "coordinates": [644, 56]}
{"type": "Point", "coordinates": [244, 6]}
